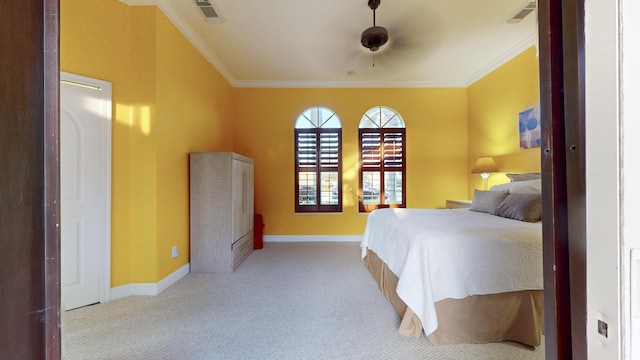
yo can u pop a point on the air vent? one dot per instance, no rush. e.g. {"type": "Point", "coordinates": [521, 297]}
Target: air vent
{"type": "Point", "coordinates": [521, 13]}
{"type": "Point", "coordinates": [209, 12]}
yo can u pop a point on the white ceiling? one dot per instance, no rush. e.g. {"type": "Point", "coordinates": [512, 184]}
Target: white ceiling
{"type": "Point", "coordinates": [303, 43]}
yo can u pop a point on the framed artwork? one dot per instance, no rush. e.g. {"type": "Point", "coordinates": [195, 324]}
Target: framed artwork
{"type": "Point", "coordinates": [529, 124]}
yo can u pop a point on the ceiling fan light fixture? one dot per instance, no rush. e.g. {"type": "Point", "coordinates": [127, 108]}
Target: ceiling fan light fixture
{"type": "Point", "coordinates": [374, 37]}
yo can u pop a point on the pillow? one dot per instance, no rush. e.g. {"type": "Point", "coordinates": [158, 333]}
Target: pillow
{"type": "Point", "coordinates": [525, 187]}
{"type": "Point", "coordinates": [487, 201]}
{"type": "Point", "coordinates": [519, 206]}
{"type": "Point", "coordinates": [524, 177]}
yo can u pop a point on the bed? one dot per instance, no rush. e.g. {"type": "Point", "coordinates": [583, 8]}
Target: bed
{"type": "Point", "coordinates": [463, 275]}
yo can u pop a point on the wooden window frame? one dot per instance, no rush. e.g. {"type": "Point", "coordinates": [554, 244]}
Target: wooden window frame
{"type": "Point", "coordinates": [382, 169]}
{"type": "Point", "coordinates": [318, 207]}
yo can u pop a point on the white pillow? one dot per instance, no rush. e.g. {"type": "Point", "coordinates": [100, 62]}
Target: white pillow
{"type": "Point", "coordinates": [522, 187]}
{"type": "Point", "coordinates": [524, 176]}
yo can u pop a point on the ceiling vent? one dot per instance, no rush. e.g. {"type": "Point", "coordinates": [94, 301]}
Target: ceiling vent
{"type": "Point", "coordinates": [209, 12]}
{"type": "Point", "coordinates": [521, 13]}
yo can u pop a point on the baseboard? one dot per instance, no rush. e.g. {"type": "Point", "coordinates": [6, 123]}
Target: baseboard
{"type": "Point", "coordinates": [149, 289]}
{"type": "Point", "coordinates": [312, 238]}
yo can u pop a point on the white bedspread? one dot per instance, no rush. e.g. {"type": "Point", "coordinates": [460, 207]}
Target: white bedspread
{"type": "Point", "coordinates": [453, 253]}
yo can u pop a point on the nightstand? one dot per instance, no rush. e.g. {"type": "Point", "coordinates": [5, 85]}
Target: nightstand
{"type": "Point", "coordinates": [458, 204]}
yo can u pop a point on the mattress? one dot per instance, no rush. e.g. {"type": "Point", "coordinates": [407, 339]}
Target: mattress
{"type": "Point", "coordinates": [453, 254]}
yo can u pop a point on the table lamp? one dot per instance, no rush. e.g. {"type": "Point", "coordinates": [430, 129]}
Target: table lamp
{"type": "Point", "coordinates": [483, 166]}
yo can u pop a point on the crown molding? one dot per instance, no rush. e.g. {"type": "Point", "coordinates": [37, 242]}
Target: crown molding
{"type": "Point", "coordinates": [347, 84]}
{"type": "Point", "coordinates": [174, 16]}
{"type": "Point", "coordinates": [529, 41]}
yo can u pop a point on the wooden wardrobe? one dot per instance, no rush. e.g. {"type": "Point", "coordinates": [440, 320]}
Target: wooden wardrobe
{"type": "Point", "coordinates": [221, 217]}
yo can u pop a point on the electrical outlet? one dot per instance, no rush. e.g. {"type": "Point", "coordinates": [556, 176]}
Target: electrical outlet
{"type": "Point", "coordinates": [174, 252]}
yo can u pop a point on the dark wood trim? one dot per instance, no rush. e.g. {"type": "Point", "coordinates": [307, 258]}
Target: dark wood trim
{"type": "Point", "coordinates": [364, 208]}
{"type": "Point", "coordinates": [53, 340]}
{"type": "Point", "coordinates": [561, 48]}
{"type": "Point", "coordinates": [556, 272]}
{"type": "Point", "coordinates": [574, 100]}
{"type": "Point", "coordinates": [29, 271]}
{"type": "Point", "coordinates": [318, 169]}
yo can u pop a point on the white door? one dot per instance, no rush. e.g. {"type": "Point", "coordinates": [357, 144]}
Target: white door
{"type": "Point", "coordinates": [85, 116]}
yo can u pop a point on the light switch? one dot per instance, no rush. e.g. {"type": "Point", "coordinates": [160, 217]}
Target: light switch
{"type": "Point", "coordinates": [603, 328]}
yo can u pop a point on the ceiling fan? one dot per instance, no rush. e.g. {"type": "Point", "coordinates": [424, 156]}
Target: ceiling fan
{"type": "Point", "coordinates": [374, 37]}
{"type": "Point", "coordinates": [388, 48]}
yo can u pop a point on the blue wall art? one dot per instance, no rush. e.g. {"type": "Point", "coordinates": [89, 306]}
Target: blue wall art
{"type": "Point", "coordinates": [530, 133]}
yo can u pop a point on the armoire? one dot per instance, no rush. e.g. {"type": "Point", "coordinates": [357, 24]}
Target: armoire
{"type": "Point", "coordinates": [221, 210]}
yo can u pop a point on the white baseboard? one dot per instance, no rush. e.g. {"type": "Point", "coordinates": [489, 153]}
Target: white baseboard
{"type": "Point", "coordinates": [312, 238]}
{"type": "Point", "coordinates": [149, 289]}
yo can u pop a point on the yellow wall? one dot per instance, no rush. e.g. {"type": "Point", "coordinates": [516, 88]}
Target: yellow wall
{"type": "Point", "coordinates": [436, 122]}
{"type": "Point", "coordinates": [167, 102]}
{"type": "Point", "coordinates": [194, 112]}
{"type": "Point", "coordinates": [494, 104]}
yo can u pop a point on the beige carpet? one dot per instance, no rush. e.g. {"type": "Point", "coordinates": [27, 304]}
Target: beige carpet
{"type": "Point", "coordinates": [286, 301]}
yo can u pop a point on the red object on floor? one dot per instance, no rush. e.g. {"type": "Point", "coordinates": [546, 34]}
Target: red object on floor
{"type": "Point", "coordinates": [258, 224]}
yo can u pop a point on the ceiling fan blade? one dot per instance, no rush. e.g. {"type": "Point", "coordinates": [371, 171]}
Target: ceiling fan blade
{"type": "Point", "coordinates": [413, 33]}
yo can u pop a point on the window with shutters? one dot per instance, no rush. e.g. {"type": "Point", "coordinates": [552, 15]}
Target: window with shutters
{"type": "Point", "coordinates": [318, 161]}
{"type": "Point", "coordinates": [382, 159]}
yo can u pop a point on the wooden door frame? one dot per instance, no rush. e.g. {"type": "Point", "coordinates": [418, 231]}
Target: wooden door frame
{"type": "Point", "coordinates": [30, 207]}
{"type": "Point", "coordinates": [51, 73]}
{"type": "Point", "coordinates": [562, 102]}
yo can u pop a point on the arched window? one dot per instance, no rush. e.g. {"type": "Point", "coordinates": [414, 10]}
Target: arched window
{"type": "Point", "coordinates": [318, 163]}
{"type": "Point", "coordinates": [382, 159]}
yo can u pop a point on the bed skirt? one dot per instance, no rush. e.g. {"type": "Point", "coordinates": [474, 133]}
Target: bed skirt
{"type": "Point", "coordinates": [513, 316]}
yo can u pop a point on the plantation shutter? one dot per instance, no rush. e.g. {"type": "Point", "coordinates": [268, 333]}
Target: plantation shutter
{"type": "Point", "coordinates": [318, 164]}
{"type": "Point", "coordinates": [393, 153]}
{"type": "Point", "coordinates": [381, 148]}
{"type": "Point", "coordinates": [382, 168]}
{"type": "Point", "coordinates": [307, 150]}
{"type": "Point", "coordinates": [370, 149]}
{"type": "Point", "coordinates": [329, 150]}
